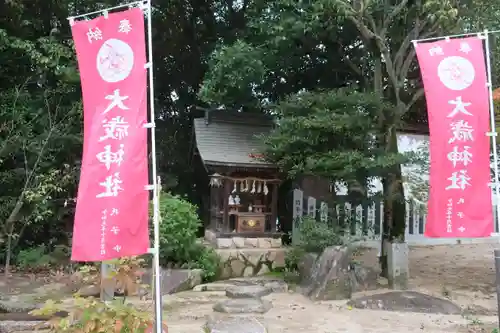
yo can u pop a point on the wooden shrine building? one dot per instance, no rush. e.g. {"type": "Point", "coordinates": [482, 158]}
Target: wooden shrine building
{"type": "Point", "coordinates": [240, 189]}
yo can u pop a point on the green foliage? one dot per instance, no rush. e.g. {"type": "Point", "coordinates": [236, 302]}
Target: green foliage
{"type": "Point", "coordinates": [41, 258]}
{"type": "Point", "coordinates": [204, 258]}
{"type": "Point", "coordinates": [225, 78]}
{"type": "Point", "coordinates": [89, 315]}
{"type": "Point", "coordinates": [335, 134]}
{"type": "Point", "coordinates": [315, 236]}
{"type": "Point", "coordinates": [418, 175]}
{"type": "Point", "coordinates": [293, 257]}
{"type": "Point", "coordinates": [178, 228]}
{"type": "Point", "coordinates": [178, 242]}
{"type": "Point", "coordinates": [36, 257]}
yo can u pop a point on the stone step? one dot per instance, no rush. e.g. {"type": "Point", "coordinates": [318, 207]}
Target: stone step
{"type": "Point", "coordinates": [255, 291]}
{"type": "Point", "coordinates": [243, 305]}
{"type": "Point", "coordinates": [235, 325]}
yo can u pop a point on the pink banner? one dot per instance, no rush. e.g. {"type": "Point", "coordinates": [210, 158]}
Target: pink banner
{"type": "Point", "coordinates": [455, 83]}
{"type": "Point", "coordinates": [111, 217]}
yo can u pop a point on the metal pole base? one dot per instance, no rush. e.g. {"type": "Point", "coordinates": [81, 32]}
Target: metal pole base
{"type": "Point", "coordinates": [497, 275]}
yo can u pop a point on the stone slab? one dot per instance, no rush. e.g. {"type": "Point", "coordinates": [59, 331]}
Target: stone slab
{"type": "Point", "coordinates": [175, 280]}
{"type": "Point", "coordinates": [17, 306]}
{"type": "Point", "coordinates": [398, 265]}
{"type": "Point", "coordinates": [255, 291]}
{"type": "Point", "coordinates": [276, 285]}
{"type": "Point", "coordinates": [9, 326]}
{"type": "Point", "coordinates": [406, 301]}
{"type": "Point", "coordinates": [235, 325]}
{"type": "Point", "coordinates": [243, 305]}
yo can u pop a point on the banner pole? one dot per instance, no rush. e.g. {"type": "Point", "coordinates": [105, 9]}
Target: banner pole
{"type": "Point", "coordinates": [493, 132]}
{"type": "Point", "coordinates": [156, 204]}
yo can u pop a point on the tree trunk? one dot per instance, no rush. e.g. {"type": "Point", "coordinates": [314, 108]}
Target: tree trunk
{"type": "Point", "coordinates": [9, 227]}
{"type": "Point", "coordinates": [393, 225]}
{"type": "Point", "coordinates": [8, 252]}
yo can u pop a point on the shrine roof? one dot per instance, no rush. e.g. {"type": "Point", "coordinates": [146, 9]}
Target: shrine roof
{"type": "Point", "coordinates": [230, 138]}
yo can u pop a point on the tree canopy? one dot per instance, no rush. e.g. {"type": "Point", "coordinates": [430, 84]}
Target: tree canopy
{"type": "Point", "coordinates": [283, 57]}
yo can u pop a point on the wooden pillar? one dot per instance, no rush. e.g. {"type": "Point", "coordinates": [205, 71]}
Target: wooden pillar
{"type": "Point", "coordinates": [225, 200]}
{"type": "Point", "coordinates": [274, 207]}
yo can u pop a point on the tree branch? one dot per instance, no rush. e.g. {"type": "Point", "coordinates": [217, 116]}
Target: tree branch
{"type": "Point", "coordinates": [416, 96]}
{"type": "Point", "coordinates": [395, 12]}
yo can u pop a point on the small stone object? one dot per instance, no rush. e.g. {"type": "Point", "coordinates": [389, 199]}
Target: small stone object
{"type": "Point", "coordinates": [235, 325]}
{"type": "Point", "coordinates": [255, 291]}
{"type": "Point", "coordinates": [243, 305]}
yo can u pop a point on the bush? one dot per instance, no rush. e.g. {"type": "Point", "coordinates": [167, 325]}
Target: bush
{"type": "Point", "coordinates": [315, 236]}
{"type": "Point", "coordinates": [34, 258]}
{"type": "Point", "coordinates": [178, 237]}
{"type": "Point", "coordinates": [206, 259]}
{"type": "Point", "coordinates": [92, 315]}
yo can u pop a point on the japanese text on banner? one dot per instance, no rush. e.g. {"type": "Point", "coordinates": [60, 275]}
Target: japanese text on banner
{"type": "Point", "coordinates": [454, 77]}
{"type": "Point", "coordinates": [111, 218]}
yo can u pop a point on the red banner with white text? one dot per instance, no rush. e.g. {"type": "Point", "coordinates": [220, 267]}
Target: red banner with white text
{"type": "Point", "coordinates": [111, 218]}
{"type": "Point", "coordinates": [455, 83]}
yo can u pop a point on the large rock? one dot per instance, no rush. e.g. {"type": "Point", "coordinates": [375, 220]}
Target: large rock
{"type": "Point", "coordinates": [364, 278]}
{"type": "Point", "coordinates": [247, 291]}
{"type": "Point", "coordinates": [406, 301]}
{"type": "Point", "coordinates": [327, 277]}
{"type": "Point", "coordinates": [175, 280]}
{"type": "Point", "coordinates": [243, 305]}
{"type": "Point", "coordinates": [235, 325]}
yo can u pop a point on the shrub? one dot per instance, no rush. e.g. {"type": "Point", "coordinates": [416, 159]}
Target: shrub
{"type": "Point", "coordinates": [315, 236]}
{"type": "Point", "coordinates": [206, 259]}
{"type": "Point", "coordinates": [178, 237]}
{"type": "Point", "coordinates": [178, 227]}
{"type": "Point", "coordinates": [33, 258]}
{"type": "Point", "coordinates": [90, 315]}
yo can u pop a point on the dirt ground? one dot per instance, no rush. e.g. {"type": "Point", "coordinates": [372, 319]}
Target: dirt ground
{"type": "Point", "coordinates": [462, 273]}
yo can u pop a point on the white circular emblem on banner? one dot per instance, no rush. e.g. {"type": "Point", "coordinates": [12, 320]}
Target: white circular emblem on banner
{"type": "Point", "coordinates": [456, 73]}
{"type": "Point", "coordinates": [115, 60]}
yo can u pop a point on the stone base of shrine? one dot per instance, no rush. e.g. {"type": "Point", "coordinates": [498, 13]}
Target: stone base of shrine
{"type": "Point", "coordinates": [247, 254]}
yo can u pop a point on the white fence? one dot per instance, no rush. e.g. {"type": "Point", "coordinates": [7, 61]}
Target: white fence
{"type": "Point", "coordinates": [365, 221]}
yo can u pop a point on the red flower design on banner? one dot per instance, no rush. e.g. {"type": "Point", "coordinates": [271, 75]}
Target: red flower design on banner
{"type": "Point", "coordinates": [455, 84]}
{"type": "Point", "coordinates": [111, 218]}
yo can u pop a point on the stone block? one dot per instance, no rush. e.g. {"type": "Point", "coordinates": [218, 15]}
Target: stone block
{"type": "Point", "coordinates": [224, 243]}
{"type": "Point", "coordinates": [255, 291]}
{"type": "Point", "coordinates": [235, 325]}
{"type": "Point", "coordinates": [250, 262]}
{"type": "Point", "coordinates": [175, 280]}
{"type": "Point", "coordinates": [210, 236]}
{"type": "Point", "coordinates": [398, 265]}
{"type": "Point", "coordinates": [251, 242]}
{"type": "Point", "coordinates": [248, 271]}
{"type": "Point", "coordinates": [265, 243]}
{"type": "Point", "coordinates": [276, 242]}
{"type": "Point", "coordinates": [239, 242]}
{"type": "Point", "coordinates": [243, 305]}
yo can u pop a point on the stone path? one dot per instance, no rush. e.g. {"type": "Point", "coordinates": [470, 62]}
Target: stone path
{"type": "Point", "coordinates": [294, 313]}
{"type": "Point", "coordinates": [245, 300]}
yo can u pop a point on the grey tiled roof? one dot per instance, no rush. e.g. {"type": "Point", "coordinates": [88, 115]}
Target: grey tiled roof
{"type": "Point", "coordinates": [229, 138]}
